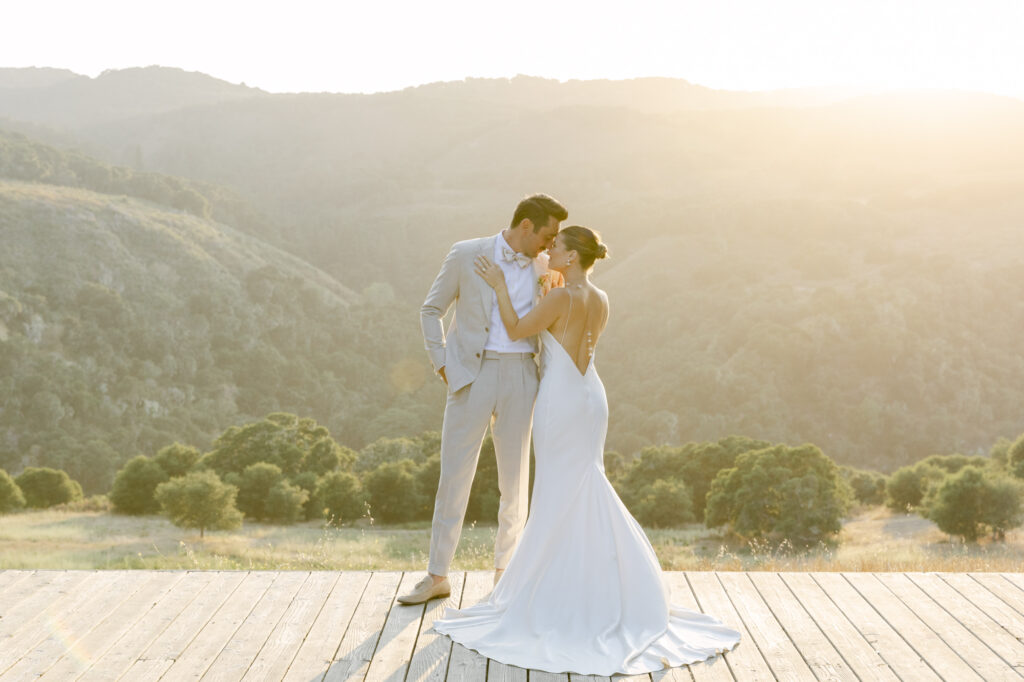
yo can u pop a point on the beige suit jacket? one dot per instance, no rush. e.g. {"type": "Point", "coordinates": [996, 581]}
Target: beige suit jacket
{"type": "Point", "coordinates": [460, 348]}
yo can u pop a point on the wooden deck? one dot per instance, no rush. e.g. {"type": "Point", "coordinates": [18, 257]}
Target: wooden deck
{"type": "Point", "coordinates": [329, 626]}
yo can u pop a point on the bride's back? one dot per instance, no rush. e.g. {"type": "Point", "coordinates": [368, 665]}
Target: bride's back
{"type": "Point", "coordinates": [578, 330]}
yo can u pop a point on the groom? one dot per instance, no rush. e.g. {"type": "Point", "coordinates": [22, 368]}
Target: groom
{"type": "Point", "coordinates": [491, 380]}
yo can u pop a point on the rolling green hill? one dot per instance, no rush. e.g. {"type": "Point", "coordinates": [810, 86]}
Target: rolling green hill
{"type": "Point", "coordinates": [803, 266]}
{"type": "Point", "coordinates": [125, 325]}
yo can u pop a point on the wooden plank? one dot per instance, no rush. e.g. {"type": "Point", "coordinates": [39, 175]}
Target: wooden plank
{"type": "Point", "coordinates": [284, 641]}
{"type": "Point", "coordinates": [161, 654]}
{"type": "Point", "coordinates": [714, 669]}
{"type": "Point", "coordinates": [1015, 578]}
{"type": "Point", "coordinates": [745, 661]}
{"type": "Point", "coordinates": [68, 628]}
{"type": "Point", "coordinates": [978, 622]}
{"type": "Point", "coordinates": [1008, 593]}
{"type": "Point", "coordinates": [355, 652]}
{"type": "Point", "coordinates": [917, 634]}
{"type": "Point", "coordinates": [576, 677]}
{"type": "Point", "coordinates": [774, 643]}
{"type": "Point", "coordinates": [858, 653]}
{"type": "Point", "coordinates": [467, 665]}
{"type": "Point", "coordinates": [120, 657]}
{"type": "Point", "coordinates": [317, 651]}
{"type": "Point", "coordinates": [22, 634]}
{"type": "Point", "coordinates": [544, 676]}
{"type": "Point", "coordinates": [9, 578]}
{"type": "Point", "coordinates": [960, 639]}
{"type": "Point", "coordinates": [207, 644]}
{"type": "Point", "coordinates": [879, 633]}
{"type": "Point", "coordinates": [1008, 618]}
{"type": "Point", "coordinates": [817, 651]}
{"type": "Point", "coordinates": [74, 661]}
{"type": "Point", "coordinates": [31, 597]}
{"type": "Point", "coordinates": [398, 638]}
{"type": "Point", "coordinates": [433, 651]}
{"type": "Point", "coordinates": [245, 644]}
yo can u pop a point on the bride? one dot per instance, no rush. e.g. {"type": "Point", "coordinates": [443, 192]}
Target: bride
{"type": "Point", "coordinates": [583, 592]}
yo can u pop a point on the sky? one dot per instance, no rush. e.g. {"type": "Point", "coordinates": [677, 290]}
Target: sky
{"type": "Point", "coordinates": [380, 45]}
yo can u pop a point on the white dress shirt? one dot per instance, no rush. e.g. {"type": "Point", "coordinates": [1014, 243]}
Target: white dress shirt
{"type": "Point", "coordinates": [519, 281]}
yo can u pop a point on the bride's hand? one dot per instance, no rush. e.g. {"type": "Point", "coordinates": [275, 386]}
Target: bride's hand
{"type": "Point", "coordinates": [491, 272]}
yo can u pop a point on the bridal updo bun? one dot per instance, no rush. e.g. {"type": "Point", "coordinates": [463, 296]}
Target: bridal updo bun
{"type": "Point", "coordinates": [585, 242]}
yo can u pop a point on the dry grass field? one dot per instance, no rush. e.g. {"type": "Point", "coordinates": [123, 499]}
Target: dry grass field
{"type": "Point", "coordinates": [873, 539]}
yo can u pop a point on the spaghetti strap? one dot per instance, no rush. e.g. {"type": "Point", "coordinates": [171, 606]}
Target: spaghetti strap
{"type": "Point", "coordinates": [566, 327]}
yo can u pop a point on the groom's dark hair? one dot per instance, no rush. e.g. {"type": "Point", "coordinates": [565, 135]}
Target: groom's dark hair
{"type": "Point", "coordinates": [538, 208]}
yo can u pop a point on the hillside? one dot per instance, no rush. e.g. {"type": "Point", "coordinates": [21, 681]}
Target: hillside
{"type": "Point", "coordinates": [60, 98]}
{"type": "Point", "coordinates": [125, 326]}
{"type": "Point", "coordinates": [841, 271]}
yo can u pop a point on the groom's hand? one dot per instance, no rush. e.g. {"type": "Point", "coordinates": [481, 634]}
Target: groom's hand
{"type": "Point", "coordinates": [444, 378]}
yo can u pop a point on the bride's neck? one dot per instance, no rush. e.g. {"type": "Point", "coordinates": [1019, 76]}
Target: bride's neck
{"type": "Point", "coordinates": [576, 280]}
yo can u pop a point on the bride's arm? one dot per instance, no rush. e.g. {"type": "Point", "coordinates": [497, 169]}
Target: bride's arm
{"type": "Point", "coordinates": [541, 317]}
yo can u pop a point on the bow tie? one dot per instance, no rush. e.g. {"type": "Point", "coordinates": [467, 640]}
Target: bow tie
{"type": "Point", "coordinates": [510, 256]}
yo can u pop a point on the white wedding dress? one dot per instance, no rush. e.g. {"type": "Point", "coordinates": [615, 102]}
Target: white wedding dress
{"type": "Point", "coordinates": [583, 592]}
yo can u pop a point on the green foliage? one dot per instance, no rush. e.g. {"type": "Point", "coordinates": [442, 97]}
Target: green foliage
{"type": "Point", "coordinates": [342, 496]}
{"type": "Point", "coordinates": [199, 500]}
{"type": "Point", "coordinates": [999, 452]}
{"type": "Point", "coordinates": [781, 492]}
{"type": "Point", "coordinates": [326, 455]}
{"type": "Point", "coordinates": [177, 459]}
{"type": "Point", "coordinates": [954, 463]}
{"type": "Point", "coordinates": [395, 450]}
{"type": "Point", "coordinates": [973, 501]}
{"type": "Point", "coordinates": [135, 485]}
{"type": "Point", "coordinates": [44, 487]}
{"type": "Point", "coordinates": [1015, 457]}
{"type": "Point", "coordinates": [392, 491]}
{"type": "Point", "coordinates": [254, 488]}
{"type": "Point", "coordinates": [307, 481]}
{"type": "Point", "coordinates": [868, 487]}
{"type": "Point", "coordinates": [907, 486]}
{"type": "Point", "coordinates": [665, 504]}
{"type": "Point", "coordinates": [693, 465]}
{"type": "Point", "coordinates": [11, 497]}
{"type": "Point", "coordinates": [285, 503]}
{"type": "Point", "coordinates": [284, 440]}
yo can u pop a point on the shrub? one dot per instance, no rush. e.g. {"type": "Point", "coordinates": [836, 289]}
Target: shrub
{"type": "Point", "coordinates": [135, 484]}
{"type": "Point", "coordinates": [392, 491]}
{"type": "Point", "coordinates": [11, 497]}
{"type": "Point", "coordinates": [1015, 457]}
{"type": "Point", "coordinates": [312, 508]}
{"type": "Point", "coordinates": [868, 487]}
{"type": "Point", "coordinates": [341, 496]}
{"type": "Point", "coordinates": [254, 485]}
{"type": "Point", "coordinates": [954, 463]}
{"type": "Point", "coordinates": [694, 465]}
{"type": "Point", "coordinates": [285, 502]}
{"type": "Point", "coordinates": [177, 459]}
{"type": "Point", "coordinates": [779, 492]}
{"type": "Point", "coordinates": [665, 504]}
{"type": "Point", "coordinates": [972, 501]}
{"type": "Point", "coordinates": [199, 500]}
{"type": "Point", "coordinates": [281, 439]}
{"type": "Point", "coordinates": [907, 486]}
{"type": "Point", "coordinates": [44, 487]}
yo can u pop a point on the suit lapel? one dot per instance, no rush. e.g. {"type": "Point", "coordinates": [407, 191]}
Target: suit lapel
{"type": "Point", "coordinates": [486, 292]}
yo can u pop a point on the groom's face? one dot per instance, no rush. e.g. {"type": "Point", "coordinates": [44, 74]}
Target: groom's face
{"type": "Point", "coordinates": [542, 239]}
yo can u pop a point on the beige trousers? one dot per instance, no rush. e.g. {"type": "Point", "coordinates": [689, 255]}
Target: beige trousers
{"type": "Point", "coordinates": [502, 396]}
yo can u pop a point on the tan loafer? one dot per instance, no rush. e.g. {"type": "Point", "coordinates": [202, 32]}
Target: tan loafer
{"type": "Point", "coordinates": [425, 590]}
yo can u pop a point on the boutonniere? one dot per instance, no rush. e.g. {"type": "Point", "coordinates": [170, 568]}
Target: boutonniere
{"type": "Point", "coordinates": [549, 280]}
